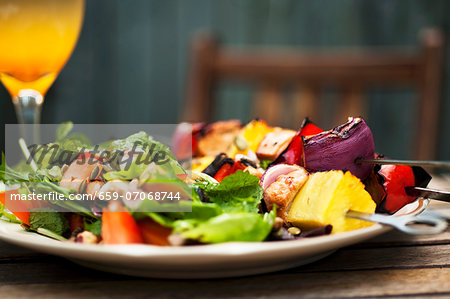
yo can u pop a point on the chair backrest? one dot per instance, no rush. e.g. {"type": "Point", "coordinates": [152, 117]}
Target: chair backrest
{"type": "Point", "coordinates": [270, 70]}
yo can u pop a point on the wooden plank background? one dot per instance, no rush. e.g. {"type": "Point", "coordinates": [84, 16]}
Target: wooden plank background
{"type": "Point", "coordinates": [130, 63]}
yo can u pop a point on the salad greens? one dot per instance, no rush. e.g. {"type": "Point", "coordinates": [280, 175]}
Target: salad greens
{"type": "Point", "coordinates": [41, 181]}
{"type": "Point", "coordinates": [221, 212]}
{"type": "Point", "coordinates": [141, 143]}
{"type": "Point", "coordinates": [231, 214]}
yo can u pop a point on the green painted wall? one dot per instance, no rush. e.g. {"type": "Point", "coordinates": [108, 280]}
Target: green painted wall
{"type": "Point", "coordinates": [130, 63]}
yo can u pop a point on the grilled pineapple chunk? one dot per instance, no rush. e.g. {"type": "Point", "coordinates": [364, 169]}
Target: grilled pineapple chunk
{"type": "Point", "coordinates": [325, 199]}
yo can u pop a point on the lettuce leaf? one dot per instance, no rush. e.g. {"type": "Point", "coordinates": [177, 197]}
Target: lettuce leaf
{"type": "Point", "coordinates": [228, 227]}
{"type": "Point", "coordinates": [200, 212]}
{"type": "Point", "coordinates": [142, 142]}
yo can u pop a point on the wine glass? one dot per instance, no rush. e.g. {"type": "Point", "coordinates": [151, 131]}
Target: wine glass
{"type": "Point", "coordinates": [37, 38]}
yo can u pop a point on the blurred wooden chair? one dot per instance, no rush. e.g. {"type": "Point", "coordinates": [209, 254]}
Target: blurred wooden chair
{"type": "Point", "coordinates": [270, 70]}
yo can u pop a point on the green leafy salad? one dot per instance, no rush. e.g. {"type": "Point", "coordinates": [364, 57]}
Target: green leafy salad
{"type": "Point", "coordinates": [125, 191]}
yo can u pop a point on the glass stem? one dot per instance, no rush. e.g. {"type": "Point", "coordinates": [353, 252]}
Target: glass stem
{"type": "Point", "coordinates": [28, 106]}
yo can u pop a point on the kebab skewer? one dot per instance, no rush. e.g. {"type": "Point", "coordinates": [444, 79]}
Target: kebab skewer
{"type": "Point", "coordinates": [345, 147]}
{"type": "Point", "coordinates": [310, 201]}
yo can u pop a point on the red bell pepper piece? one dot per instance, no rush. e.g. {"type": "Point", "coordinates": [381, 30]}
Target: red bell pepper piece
{"type": "Point", "coordinates": [154, 233]}
{"type": "Point", "coordinates": [308, 128]}
{"type": "Point", "coordinates": [223, 172]}
{"type": "Point", "coordinates": [119, 227]}
{"type": "Point", "coordinates": [294, 152]}
{"type": "Point", "coordinates": [238, 165]}
{"type": "Point", "coordinates": [228, 167]}
{"type": "Point", "coordinates": [394, 179]}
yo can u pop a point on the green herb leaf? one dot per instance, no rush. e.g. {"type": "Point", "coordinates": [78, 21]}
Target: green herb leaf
{"type": "Point", "coordinates": [237, 192]}
{"type": "Point", "coordinates": [264, 164]}
{"type": "Point", "coordinates": [50, 220]}
{"type": "Point", "coordinates": [93, 225]}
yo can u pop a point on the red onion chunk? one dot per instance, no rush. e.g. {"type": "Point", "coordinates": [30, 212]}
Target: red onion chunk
{"type": "Point", "coordinates": [339, 149]}
{"type": "Point", "coordinates": [271, 174]}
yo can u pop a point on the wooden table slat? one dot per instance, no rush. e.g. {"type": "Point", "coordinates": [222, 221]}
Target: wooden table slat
{"type": "Point", "coordinates": [393, 264]}
{"type": "Point", "coordinates": [307, 285]}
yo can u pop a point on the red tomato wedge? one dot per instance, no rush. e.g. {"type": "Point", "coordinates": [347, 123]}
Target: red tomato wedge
{"type": "Point", "coordinates": [23, 216]}
{"type": "Point", "coordinates": [154, 233]}
{"type": "Point", "coordinates": [119, 227]}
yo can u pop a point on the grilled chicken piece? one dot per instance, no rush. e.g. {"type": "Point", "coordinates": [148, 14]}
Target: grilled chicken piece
{"type": "Point", "coordinates": [78, 173]}
{"type": "Point", "coordinates": [274, 143]}
{"type": "Point", "coordinates": [220, 135]}
{"type": "Point", "coordinates": [283, 191]}
{"type": "Point", "coordinates": [94, 187]}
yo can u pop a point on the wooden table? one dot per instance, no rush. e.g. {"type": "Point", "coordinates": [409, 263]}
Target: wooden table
{"type": "Point", "coordinates": [393, 264]}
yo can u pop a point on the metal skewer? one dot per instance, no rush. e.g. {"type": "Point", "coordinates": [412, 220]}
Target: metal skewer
{"type": "Point", "coordinates": [435, 164]}
{"type": "Point", "coordinates": [428, 193]}
{"type": "Point", "coordinates": [434, 225]}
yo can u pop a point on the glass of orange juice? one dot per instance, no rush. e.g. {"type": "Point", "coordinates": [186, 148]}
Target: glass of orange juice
{"type": "Point", "coordinates": [37, 38]}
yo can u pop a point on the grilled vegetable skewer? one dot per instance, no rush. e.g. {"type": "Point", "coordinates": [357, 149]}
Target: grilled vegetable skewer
{"type": "Point", "coordinates": [308, 201]}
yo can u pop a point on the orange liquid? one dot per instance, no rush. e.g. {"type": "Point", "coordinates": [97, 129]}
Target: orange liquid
{"type": "Point", "coordinates": [36, 40]}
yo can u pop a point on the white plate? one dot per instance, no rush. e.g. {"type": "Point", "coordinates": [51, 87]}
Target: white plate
{"type": "Point", "coordinates": [202, 261]}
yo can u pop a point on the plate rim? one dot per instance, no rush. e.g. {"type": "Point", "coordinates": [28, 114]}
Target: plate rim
{"type": "Point", "coordinates": [11, 233]}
